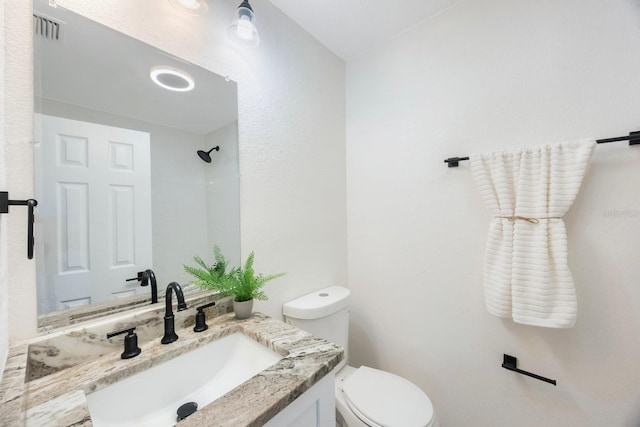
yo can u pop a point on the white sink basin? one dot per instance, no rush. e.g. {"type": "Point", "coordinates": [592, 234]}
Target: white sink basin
{"type": "Point", "coordinates": [152, 397]}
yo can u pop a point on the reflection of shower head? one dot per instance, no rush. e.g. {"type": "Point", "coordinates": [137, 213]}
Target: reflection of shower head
{"type": "Point", "coordinates": [204, 155]}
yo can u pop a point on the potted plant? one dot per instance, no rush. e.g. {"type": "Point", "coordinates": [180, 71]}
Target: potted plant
{"type": "Point", "coordinates": [242, 283]}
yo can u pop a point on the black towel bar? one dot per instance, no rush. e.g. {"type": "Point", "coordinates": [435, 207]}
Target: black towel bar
{"type": "Point", "coordinates": [30, 203]}
{"type": "Point", "coordinates": [633, 138]}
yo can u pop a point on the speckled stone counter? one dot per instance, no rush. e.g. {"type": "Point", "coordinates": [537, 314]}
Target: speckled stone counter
{"type": "Point", "coordinates": [84, 342]}
{"type": "Point", "coordinates": [72, 316]}
{"type": "Point", "coordinates": [59, 399]}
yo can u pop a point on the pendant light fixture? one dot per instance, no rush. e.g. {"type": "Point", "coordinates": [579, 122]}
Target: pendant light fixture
{"type": "Point", "coordinates": [243, 30]}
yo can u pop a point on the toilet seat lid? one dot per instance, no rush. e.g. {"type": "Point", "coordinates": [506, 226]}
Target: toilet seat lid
{"type": "Point", "coordinates": [384, 399]}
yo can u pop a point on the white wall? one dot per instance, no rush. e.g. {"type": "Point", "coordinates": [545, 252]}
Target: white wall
{"type": "Point", "coordinates": [479, 77]}
{"type": "Point", "coordinates": [291, 131]}
{"type": "Point", "coordinates": [4, 292]}
{"type": "Point", "coordinates": [222, 191]}
{"type": "Point", "coordinates": [179, 210]}
{"type": "Point", "coordinates": [18, 151]}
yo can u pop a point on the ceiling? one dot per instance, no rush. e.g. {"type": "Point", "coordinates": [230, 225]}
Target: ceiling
{"type": "Point", "coordinates": [355, 26]}
{"type": "Point", "coordinates": [351, 27]}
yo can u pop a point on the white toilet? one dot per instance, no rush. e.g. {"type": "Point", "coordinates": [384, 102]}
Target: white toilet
{"type": "Point", "coordinates": [365, 397]}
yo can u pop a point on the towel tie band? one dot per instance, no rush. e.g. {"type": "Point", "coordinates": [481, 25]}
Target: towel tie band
{"type": "Point", "coordinates": [513, 218]}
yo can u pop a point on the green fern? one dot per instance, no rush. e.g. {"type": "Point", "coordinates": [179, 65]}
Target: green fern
{"type": "Point", "coordinates": [210, 276]}
{"type": "Point", "coordinates": [248, 285]}
{"type": "Point", "coordinates": [241, 283]}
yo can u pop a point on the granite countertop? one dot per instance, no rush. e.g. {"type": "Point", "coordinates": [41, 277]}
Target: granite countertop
{"type": "Point", "coordinates": [59, 399]}
{"type": "Point", "coordinates": [97, 311]}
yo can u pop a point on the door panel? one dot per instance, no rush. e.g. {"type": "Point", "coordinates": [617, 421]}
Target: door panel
{"type": "Point", "coordinates": [93, 186]}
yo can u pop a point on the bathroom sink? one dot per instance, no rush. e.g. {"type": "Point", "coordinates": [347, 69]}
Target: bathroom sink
{"type": "Point", "coordinates": [152, 397]}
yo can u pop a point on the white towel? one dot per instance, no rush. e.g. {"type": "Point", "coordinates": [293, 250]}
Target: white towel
{"type": "Point", "coordinates": [527, 191]}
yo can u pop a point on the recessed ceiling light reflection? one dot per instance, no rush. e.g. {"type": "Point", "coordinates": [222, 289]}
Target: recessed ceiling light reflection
{"type": "Point", "coordinates": [172, 79]}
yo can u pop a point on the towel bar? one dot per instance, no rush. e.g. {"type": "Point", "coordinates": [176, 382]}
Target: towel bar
{"type": "Point", "coordinates": [452, 162]}
{"type": "Point", "coordinates": [510, 363]}
{"type": "Point", "coordinates": [30, 203]}
{"type": "Point", "coordinates": [633, 138]}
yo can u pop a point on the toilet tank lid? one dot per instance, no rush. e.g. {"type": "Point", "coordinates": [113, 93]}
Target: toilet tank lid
{"type": "Point", "coordinates": [318, 304]}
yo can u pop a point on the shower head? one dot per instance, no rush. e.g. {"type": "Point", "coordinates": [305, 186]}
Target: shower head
{"type": "Point", "coordinates": [204, 155]}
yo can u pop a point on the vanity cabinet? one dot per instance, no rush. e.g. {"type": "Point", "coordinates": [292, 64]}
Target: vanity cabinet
{"type": "Point", "coordinates": [303, 376]}
{"type": "Point", "coordinates": [314, 408]}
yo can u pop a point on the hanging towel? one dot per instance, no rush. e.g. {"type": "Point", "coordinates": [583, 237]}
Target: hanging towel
{"type": "Point", "coordinates": [526, 276]}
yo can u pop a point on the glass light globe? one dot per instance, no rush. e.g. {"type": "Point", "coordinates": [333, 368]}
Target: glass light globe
{"type": "Point", "coordinates": [243, 30]}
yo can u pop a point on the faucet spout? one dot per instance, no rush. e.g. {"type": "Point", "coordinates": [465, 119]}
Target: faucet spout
{"type": "Point", "coordinates": [169, 319]}
{"type": "Point", "coordinates": [144, 277]}
{"type": "Point", "coordinates": [149, 276]}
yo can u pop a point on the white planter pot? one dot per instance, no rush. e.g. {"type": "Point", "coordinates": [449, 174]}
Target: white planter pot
{"type": "Point", "coordinates": [243, 309]}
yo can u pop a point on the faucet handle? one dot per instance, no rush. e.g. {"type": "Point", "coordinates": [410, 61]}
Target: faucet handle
{"type": "Point", "coordinates": [131, 348]}
{"type": "Point", "coordinates": [138, 278]}
{"type": "Point", "coordinates": [202, 307]}
{"type": "Point", "coordinates": [201, 323]}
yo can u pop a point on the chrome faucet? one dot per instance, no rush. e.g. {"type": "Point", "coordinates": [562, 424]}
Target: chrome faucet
{"type": "Point", "coordinates": [144, 277]}
{"type": "Point", "coordinates": [169, 319]}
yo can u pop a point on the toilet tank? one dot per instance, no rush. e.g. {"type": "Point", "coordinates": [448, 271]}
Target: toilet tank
{"type": "Point", "coordinates": [323, 313]}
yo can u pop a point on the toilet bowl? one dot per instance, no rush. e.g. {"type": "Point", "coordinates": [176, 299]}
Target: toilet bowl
{"type": "Point", "coordinates": [365, 397]}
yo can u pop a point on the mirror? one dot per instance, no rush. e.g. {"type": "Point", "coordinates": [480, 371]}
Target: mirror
{"type": "Point", "coordinates": [119, 183]}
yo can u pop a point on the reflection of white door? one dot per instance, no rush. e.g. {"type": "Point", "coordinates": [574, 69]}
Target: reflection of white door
{"type": "Point", "coordinates": [93, 188]}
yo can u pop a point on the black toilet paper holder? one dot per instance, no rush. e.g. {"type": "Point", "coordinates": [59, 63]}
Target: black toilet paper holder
{"type": "Point", "coordinates": [511, 362]}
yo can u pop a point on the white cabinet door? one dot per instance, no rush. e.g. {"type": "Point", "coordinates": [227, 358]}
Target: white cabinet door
{"type": "Point", "coordinates": [315, 407]}
{"type": "Point", "coordinates": [93, 186]}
